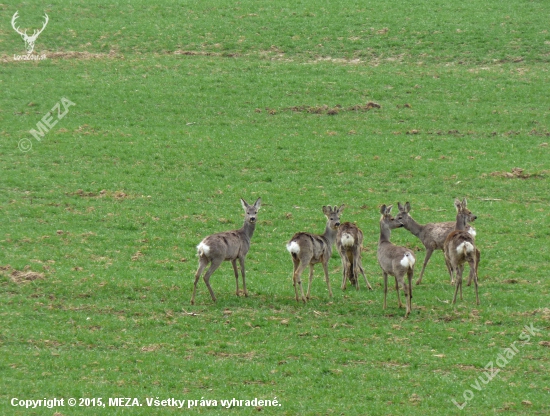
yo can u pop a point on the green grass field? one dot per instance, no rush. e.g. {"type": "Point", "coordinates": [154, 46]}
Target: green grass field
{"type": "Point", "coordinates": [182, 109]}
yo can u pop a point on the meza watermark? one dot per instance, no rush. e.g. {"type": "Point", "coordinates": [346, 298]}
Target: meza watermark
{"type": "Point", "coordinates": [46, 123]}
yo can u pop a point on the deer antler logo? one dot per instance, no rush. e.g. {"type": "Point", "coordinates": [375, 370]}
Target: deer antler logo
{"type": "Point", "coordinates": [29, 40]}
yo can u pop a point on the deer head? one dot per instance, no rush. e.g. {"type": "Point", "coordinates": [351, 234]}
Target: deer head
{"type": "Point", "coordinates": [29, 40]}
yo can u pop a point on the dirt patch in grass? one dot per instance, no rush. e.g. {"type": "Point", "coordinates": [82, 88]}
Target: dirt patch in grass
{"type": "Point", "coordinates": [520, 173]}
{"type": "Point", "coordinates": [101, 194]}
{"type": "Point", "coordinates": [325, 109]}
{"type": "Point", "coordinates": [20, 276]}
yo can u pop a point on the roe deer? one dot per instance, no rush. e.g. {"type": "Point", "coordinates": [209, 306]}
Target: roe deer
{"type": "Point", "coordinates": [231, 246]}
{"type": "Point", "coordinates": [431, 235]}
{"type": "Point", "coordinates": [394, 260]}
{"type": "Point", "coordinates": [310, 249]}
{"type": "Point", "coordinates": [349, 240]}
{"type": "Point", "coordinates": [459, 248]}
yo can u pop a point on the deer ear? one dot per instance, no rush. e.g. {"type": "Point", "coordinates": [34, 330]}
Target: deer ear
{"type": "Point", "coordinates": [341, 209]}
{"type": "Point", "coordinates": [400, 207]}
{"type": "Point", "coordinates": [258, 204]}
{"type": "Point", "coordinates": [388, 209]}
{"type": "Point", "coordinates": [383, 209]}
{"type": "Point", "coordinates": [458, 204]}
{"type": "Point", "coordinates": [464, 203]}
{"type": "Point", "coordinates": [407, 207]}
{"type": "Point", "coordinates": [244, 204]}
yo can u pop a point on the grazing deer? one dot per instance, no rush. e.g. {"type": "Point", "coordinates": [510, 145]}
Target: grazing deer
{"type": "Point", "coordinates": [310, 249]}
{"type": "Point", "coordinates": [230, 245]}
{"type": "Point", "coordinates": [459, 248]}
{"type": "Point", "coordinates": [349, 240]}
{"type": "Point", "coordinates": [431, 235]}
{"type": "Point", "coordinates": [395, 260]}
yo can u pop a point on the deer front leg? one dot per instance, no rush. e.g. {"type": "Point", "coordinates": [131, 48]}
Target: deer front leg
{"type": "Point", "coordinates": [241, 261]}
{"type": "Point", "coordinates": [385, 288]}
{"type": "Point", "coordinates": [234, 264]}
{"type": "Point", "coordinates": [429, 252]}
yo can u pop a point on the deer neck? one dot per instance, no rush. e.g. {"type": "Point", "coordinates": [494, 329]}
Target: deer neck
{"type": "Point", "coordinates": [248, 229]}
{"type": "Point", "coordinates": [460, 222]}
{"type": "Point", "coordinates": [385, 233]}
{"type": "Point", "coordinates": [330, 234]}
{"type": "Point", "coordinates": [413, 227]}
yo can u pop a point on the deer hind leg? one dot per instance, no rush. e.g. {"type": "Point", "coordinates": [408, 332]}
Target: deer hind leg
{"type": "Point", "coordinates": [359, 268]}
{"type": "Point", "coordinates": [458, 283]}
{"type": "Point", "coordinates": [213, 266]}
{"type": "Point", "coordinates": [344, 258]}
{"type": "Point", "coordinates": [241, 262]}
{"type": "Point", "coordinates": [325, 268]}
{"type": "Point", "coordinates": [298, 269]}
{"type": "Point", "coordinates": [475, 281]}
{"type": "Point", "coordinates": [397, 290]}
{"type": "Point", "coordinates": [474, 266]}
{"type": "Point", "coordinates": [203, 262]}
{"type": "Point", "coordinates": [408, 290]}
{"type": "Point", "coordinates": [429, 252]}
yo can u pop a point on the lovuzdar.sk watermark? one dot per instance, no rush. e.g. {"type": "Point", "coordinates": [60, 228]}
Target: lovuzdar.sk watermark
{"type": "Point", "coordinates": [493, 367]}
{"type": "Point", "coordinates": [29, 40]}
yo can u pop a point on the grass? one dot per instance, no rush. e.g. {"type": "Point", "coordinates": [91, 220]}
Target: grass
{"type": "Point", "coordinates": [183, 109]}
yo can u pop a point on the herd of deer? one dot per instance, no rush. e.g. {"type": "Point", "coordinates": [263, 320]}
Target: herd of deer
{"type": "Point", "coordinates": [456, 239]}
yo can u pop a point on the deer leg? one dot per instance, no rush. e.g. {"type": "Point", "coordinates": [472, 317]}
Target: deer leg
{"type": "Point", "coordinates": [234, 264]}
{"type": "Point", "coordinates": [344, 259]}
{"type": "Point", "coordinates": [325, 268]}
{"type": "Point", "coordinates": [456, 286]}
{"type": "Point", "coordinates": [475, 280]}
{"type": "Point", "coordinates": [360, 267]}
{"type": "Point", "coordinates": [241, 262]}
{"type": "Point", "coordinates": [213, 266]}
{"type": "Point", "coordinates": [385, 288]}
{"type": "Point", "coordinates": [310, 280]}
{"type": "Point", "coordinates": [459, 279]}
{"type": "Point", "coordinates": [203, 262]}
{"type": "Point", "coordinates": [409, 292]}
{"type": "Point", "coordinates": [295, 263]}
{"type": "Point", "coordinates": [429, 252]}
{"type": "Point", "coordinates": [355, 269]}
{"type": "Point", "coordinates": [477, 259]}
{"type": "Point", "coordinates": [297, 280]}
{"type": "Point", "coordinates": [398, 295]}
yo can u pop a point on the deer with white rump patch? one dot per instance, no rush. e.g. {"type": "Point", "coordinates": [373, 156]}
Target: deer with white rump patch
{"type": "Point", "coordinates": [349, 240]}
{"type": "Point", "coordinates": [395, 260]}
{"type": "Point", "coordinates": [432, 235]}
{"type": "Point", "coordinates": [310, 249]}
{"type": "Point", "coordinates": [459, 248]}
{"type": "Point", "coordinates": [227, 246]}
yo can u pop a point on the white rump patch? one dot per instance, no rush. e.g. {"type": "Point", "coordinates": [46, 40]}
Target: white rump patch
{"type": "Point", "coordinates": [203, 249]}
{"type": "Point", "coordinates": [293, 247]}
{"type": "Point", "coordinates": [347, 240]}
{"type": "Point", "coordinates": [465, 247]}
{"type": "Point", "coordinates": [472, 231]}
{"type": "Point", "coordinates": [408, 260]}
